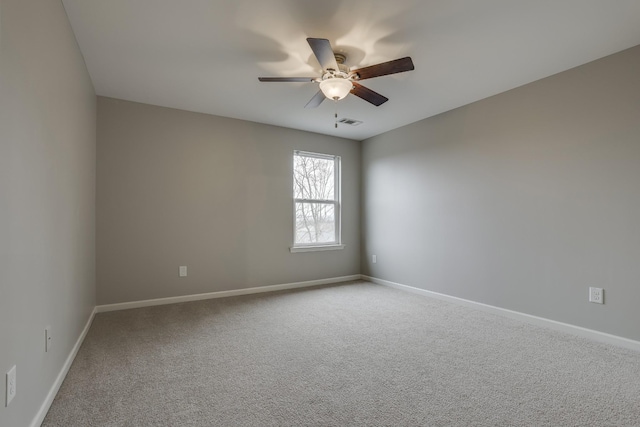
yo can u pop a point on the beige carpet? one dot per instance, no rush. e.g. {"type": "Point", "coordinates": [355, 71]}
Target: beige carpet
{"type": "Point", "coordinates": [346, 355]}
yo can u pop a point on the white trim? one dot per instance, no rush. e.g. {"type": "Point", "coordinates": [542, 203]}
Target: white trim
{"type": "Point", "coordinates": [221, 294]}
{"type": "Point", "coordinates": [44, 408]}
{"type": "Point", "coordinates": [336, 201]}
{"type": "Point", "coordinates": [325, 201]}
{"type": "Point", "coordinates": [323, 156]}
{"type": "Point", "coordinates": [295, 249]}
{"type": "Point", "coordinates": [534, 320]}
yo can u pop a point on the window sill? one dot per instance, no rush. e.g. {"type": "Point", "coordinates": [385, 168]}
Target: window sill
{"type": "Point", "coordinates": [316, 248]}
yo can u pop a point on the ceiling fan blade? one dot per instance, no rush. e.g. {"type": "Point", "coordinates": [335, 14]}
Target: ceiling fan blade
{"type": "Point", "coordinates": [368, 95]}
{"type": "Point", "coordinates": [323, 51]}
{"type": "Point", "coordinates": [385, 68]}
{"type": "Point", "coordinates": [316, 100]}
{"type": "Point", "coordinates": [287, 79]}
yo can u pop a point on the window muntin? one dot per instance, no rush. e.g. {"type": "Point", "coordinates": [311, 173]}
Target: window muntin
{"type": "Point", "coordinates": [316, 192]}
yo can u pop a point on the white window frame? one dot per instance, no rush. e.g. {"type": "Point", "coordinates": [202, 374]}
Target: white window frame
{"type": "Point", "coordinates": [336, 202]}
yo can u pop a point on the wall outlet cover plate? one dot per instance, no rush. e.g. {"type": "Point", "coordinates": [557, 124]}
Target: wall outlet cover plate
{"type": "Point", "coordinates": [596, 295]}
{"type": "Point", "coordinates": [47, 339]}
{"type": "Point", "coordinates": [11, 385]}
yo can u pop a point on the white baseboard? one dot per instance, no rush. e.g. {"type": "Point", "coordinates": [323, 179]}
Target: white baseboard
{"type": "Point", "coordinates": [222, 294]}
{"type": "Point", "coordinates": [44, 408]}
{"type": "Point", "coordinates": [534, 320]}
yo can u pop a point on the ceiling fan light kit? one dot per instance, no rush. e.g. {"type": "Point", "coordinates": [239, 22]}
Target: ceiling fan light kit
{"type": "Point", "coordinates": [336, 88]}
{"type": "Point", "coordinates": [337, 81]}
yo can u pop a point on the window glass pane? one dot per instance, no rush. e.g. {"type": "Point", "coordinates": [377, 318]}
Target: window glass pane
{"type": "Point", "coordinates": [313, 178]}
{"type": "Point", "coordinates": [315, 223]}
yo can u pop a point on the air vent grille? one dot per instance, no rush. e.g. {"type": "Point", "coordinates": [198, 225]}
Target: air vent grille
{"type": "Point", "coordinates": [350, 122]}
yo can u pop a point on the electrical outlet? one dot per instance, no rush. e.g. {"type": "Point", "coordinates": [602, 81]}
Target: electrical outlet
{"type": "Point", "coordinates": [11, 385]}
{"type": "Point", "coordinates": [596, 295]}
{"type": "Point", "coordinates": [374, 259]}
{"type": "Point", "coordinates": [183, 271]}
{"type": "Point", "coordinates": [47, 339]}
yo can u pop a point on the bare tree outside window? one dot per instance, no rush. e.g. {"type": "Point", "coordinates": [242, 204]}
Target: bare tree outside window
{"type": "Point", "coordinates": [316, 191]}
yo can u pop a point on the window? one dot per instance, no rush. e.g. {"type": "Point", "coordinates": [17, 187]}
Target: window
{"type": "Point", "coordinates": [316, 194]}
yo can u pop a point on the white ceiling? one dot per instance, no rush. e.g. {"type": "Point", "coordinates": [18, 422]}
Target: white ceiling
{"type": "Point", "coordinates": [206, 55]}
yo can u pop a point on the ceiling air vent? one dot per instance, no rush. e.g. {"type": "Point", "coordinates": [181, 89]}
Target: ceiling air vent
{"type": "Point", "coordinates": [350, 122]}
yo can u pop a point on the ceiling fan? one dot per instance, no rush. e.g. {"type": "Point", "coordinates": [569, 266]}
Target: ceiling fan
{"type": "Point", "coordinates": [337, 81]}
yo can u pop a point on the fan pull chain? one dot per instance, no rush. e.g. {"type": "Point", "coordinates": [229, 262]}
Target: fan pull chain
{"type": "Point", "coordinates": [336, 114]}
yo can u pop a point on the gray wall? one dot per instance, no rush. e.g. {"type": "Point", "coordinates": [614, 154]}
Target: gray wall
{"type": "Point", "coordinates": [47, 198]}
{"type": "Point", "coordinates": [521, 201]}
{"type": "Point", "coordinates": [215, 194]}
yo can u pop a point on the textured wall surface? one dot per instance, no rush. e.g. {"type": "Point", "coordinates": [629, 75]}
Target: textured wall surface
{"type": "Point", "coordinates": [211, 193]}
{"type": "Point", "coordinates": [47, 199]}
{"type": "Point", "coordinates": [522, 200]}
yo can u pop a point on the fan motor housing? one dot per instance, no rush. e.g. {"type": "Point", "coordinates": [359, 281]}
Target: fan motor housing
{"type": "Point", "coordinates": [341, 59]}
